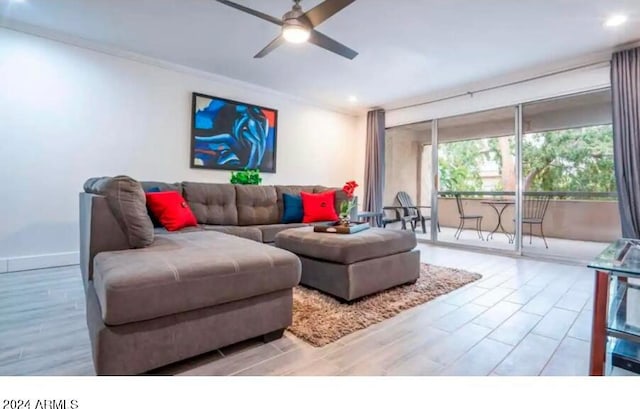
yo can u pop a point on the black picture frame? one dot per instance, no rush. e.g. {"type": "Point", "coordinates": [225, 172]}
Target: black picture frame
{"type": "Point", "coordinates": [226, 123]}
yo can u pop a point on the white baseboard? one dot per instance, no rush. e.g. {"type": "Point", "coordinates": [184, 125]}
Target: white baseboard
{"type": "Point", "coordinates": [40, 261]}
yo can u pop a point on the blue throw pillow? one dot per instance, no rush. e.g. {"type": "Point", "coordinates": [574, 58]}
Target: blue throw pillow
{"type": "Point", "coordinates": [293, 212]}
{"type": "Point", "coordinates": [154, 220]}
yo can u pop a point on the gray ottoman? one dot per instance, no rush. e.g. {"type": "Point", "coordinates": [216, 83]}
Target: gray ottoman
{"type": "Point", "coordinates": [350, 266]}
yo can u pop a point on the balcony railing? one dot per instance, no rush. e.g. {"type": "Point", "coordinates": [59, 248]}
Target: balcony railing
{"type": "Point", "coordinates": [554, 195]}
{"type": "Point", "coordinates": [584, 216]}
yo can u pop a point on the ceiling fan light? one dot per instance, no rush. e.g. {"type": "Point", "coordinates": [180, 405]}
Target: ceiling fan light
{"type": "Point", "coordinates": [295, 34]}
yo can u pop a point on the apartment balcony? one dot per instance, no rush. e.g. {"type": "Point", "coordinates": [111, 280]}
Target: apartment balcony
{"type": "Point", "coordinates": [577, 225]}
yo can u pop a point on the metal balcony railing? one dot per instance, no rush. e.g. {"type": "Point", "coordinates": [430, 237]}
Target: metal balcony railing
{"type": "Point", "coordinates": [553, 195]}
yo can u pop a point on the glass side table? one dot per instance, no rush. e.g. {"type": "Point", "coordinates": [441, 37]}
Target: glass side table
{"type": "Point", "coordinates": [616, 305]}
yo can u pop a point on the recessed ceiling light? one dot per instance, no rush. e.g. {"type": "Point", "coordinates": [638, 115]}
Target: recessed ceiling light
{"type": "Point", "coordinates": [353, 98]}
{"type": "Point", "coordinates": [616, 20]}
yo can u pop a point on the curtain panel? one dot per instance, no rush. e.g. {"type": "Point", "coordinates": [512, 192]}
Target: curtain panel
{"type": "Point", "coordinates": [374, 165]}
{"type": "Point", "coordinates": [625, 86]}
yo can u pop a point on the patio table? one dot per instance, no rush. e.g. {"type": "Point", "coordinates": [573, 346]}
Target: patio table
{"type": "Point", "coordinates": [499, 206]}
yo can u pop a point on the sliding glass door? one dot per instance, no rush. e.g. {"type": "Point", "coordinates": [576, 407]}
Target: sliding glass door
{"type": "Point", "coordinates": [534, 179]}
{"type": "Point", "coordinates": [407, 178]}
{"type": "Point", "coordinates": [569, 201]}
{"type": "Point", "coordinates": [476, 179]}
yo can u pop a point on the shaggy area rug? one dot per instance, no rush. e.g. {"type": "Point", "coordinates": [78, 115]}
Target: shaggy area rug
{"type": "Point", "coordinates": [320, 319]}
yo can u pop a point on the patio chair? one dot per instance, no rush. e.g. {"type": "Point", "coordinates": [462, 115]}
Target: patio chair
{"type": "Point", "coordinates": [464, 217]}
{"type": "Point", "coordinates": [534, 209]}
{"type": "Point", "coordinates": [391, 214]}
{"type": "Point", "coordinates": [413, 212]}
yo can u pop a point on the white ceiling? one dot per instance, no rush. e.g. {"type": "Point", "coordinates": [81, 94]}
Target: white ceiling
{"type": "Point", "coordinates": [408, 48]}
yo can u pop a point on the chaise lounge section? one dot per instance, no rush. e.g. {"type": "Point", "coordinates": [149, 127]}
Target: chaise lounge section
{"type": "Point", "coordinates": [183, 295]}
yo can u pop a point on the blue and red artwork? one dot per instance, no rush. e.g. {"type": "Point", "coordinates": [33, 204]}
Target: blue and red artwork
{"type": "Point", "coordinates": [232, 135]}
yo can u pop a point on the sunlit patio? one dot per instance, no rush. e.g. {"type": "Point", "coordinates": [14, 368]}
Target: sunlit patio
{"type": "Point", "coordinates": [574, 229]}
{"type": "Point", "coordinates": [578, 250]}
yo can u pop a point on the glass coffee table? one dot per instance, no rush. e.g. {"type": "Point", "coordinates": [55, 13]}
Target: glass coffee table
{"type": "Point", "coordinates": [616, 308]}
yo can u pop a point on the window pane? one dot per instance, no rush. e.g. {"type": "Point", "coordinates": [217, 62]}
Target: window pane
{"type": "Point", "coordinates": [476, 164]}
{"type": "Point", "coordinates": [570, 207]}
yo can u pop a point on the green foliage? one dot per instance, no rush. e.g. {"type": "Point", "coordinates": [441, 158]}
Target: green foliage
{"type": "Point", "coordinates": [459, 165]}
{"type": "Point", "coordinates": [246, 177]}
{"type": "Point", "coordinates": [346, 206]}
{"type": "Point", "coordinates": [494, 149]}
{"type": "Point", "coordinates": [578, 159]}
{"type": "Point", "coordinates": [573, 160]}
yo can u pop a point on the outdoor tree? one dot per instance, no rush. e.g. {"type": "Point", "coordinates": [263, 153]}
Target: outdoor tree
{"type": "Point", "coordinates": [569, 160]}
{"type": "Point", "coordinates": [459, 164]}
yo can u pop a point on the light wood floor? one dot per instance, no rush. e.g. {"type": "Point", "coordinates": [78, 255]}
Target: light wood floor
{"type": "Point", "coordinates": [524, 317]}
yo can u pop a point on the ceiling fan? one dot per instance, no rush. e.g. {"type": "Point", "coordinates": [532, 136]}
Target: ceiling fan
{"type": "Point", "coordinates": [299, 27]}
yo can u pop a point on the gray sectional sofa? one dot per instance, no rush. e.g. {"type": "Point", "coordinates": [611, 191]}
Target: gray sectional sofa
{"type": "Point", "coordinates": [155, 297]}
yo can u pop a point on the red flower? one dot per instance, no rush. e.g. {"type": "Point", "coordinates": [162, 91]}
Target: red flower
{"type": "Point", "coordinates": [349, 188]}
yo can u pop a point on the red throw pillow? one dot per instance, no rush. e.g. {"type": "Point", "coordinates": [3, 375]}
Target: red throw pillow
{"type": "Point", "coordinates": [319, 207]}
{"type": "Point", "coordinates": [171, 210]}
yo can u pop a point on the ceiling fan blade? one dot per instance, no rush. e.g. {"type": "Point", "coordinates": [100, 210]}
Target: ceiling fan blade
{"type": "Point", "coordinates": [324, 10]}
{"type": "Point", "coordinates": [332, 45]}
{"type": "Point", "coordinates": [253, 12]}
{"type": "Point", "coordinates": [277, 42]}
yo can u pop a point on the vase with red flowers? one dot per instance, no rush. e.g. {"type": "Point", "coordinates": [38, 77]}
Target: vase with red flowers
{"type": "Point", "coordinates": [346, 206]}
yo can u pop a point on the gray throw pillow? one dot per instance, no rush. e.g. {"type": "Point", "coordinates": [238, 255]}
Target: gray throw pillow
{"type": "Point", "coordinates": [128, 204]}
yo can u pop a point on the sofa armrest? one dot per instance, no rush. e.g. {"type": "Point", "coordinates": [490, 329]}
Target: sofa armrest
{"type": "Point", "coordinates": [99, 231]}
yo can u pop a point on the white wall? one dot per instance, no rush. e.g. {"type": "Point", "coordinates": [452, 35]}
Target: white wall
{"type": "Point", "coordinates": [69, 113]}
{"type": "Point", "coordinates": [403, 154]}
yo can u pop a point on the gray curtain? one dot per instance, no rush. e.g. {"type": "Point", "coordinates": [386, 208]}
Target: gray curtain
{"type": "Point", "coordinates": [625, 86]}
{"type": "Point", "coordinates": [374, 165]}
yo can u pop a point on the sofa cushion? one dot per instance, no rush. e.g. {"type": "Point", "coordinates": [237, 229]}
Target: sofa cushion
{"type": "Point", "coordinates": [292, 190]}
{"type": "Point", "coordinates": [269, 231]}
{"type": "Point", "coordinates": [161, 187]}
{"type": "Point", "coordinates": [212, 203]}
{"type": "Point", "coordinates": [340, 195]}
{"type": "Point", "coordinates": [256, 205]}
{"type": "Point", "coordinates": [346, 248]}
{"type": "Point", "coordinates": [171, 210]}
{"type": "Point", "coordinates": [155, 187]}
{"type": "Point", "coordinates": [185, 272]}
{"type": "Point", "coordinates": [96, 185]}
{"type": "Point", "coordinates": [127, 202]}
{"type": "Point", "coordinates": [162, 230]}
{"type": "Point", "coordinates": [246, 232]}
{"type": "Point", "coordinates": [293, 211]}
{"type": "Point", "coordinates": [319, 207]}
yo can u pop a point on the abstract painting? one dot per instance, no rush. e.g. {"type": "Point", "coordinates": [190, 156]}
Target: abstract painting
{"type": "Point", "coordinates": [232, 135]}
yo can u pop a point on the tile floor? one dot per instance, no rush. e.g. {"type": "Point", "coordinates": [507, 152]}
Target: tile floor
{"type": "Point", "coordinates": [524, 317]}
